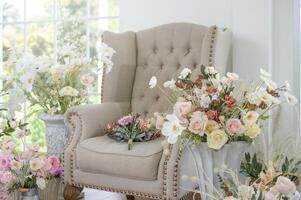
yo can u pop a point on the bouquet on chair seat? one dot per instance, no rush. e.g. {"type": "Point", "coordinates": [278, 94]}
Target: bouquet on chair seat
{"type": "Point", "coordinates": [132, 128]}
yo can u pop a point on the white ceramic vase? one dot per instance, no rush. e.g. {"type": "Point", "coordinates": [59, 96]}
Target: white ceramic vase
{"type": "Point", "coordinates": [56, 133]}
{"type": "Point", "coordinates": [209, 160]}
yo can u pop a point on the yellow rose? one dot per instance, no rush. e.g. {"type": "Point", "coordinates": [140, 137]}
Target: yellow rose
{"type": "Point", "coordinates": [252, 131]}
{"type": "Point", "coordinates": [217, 139]}
{"type": "Point", "coordinates": [211, 126]}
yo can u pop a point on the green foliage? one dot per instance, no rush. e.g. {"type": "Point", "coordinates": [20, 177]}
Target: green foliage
{"type": "Point", "coordinates": [251, 167]}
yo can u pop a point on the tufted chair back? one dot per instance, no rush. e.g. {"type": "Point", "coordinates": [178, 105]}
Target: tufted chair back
{"type": "Point", "coordinates": [163, 52]}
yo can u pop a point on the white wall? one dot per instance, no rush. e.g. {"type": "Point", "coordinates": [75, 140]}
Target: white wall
{"type": "Point", "coordinates": [248, 19]}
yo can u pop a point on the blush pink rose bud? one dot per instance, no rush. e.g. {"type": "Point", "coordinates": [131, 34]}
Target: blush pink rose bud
{"type": "Point", "coordinates": [285, 186]}
{"type": "Point", "coordinates": [181, 109]}
{"type": "Point", "coordinates": [159, 122]}
{"type": "Point", "coordinates": [235, 127]}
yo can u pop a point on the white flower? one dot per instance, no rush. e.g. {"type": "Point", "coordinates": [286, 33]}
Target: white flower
{"type": "Point", "coordinates": [291, 100]}
{"type": "Point", "coordinates": [15, 165]}
{"type": "Point", "coordinates": [68, 91]}
{"type": "Point", "coordinates": [87, 80]}
{"type": "Point", "coordinates": [253, 98]}
{"type": "Point", "coordinates": [245, 192]}
{"type": "Point", "coordinates": [170, 84]}
{"type": "Point", "coordinates": [205, 100]}
{"type": "Point", "coordinates": [41, 183]}
{"type": "Point", "coordinates": [210, 70]}
{"type": "Point", "coordinates": [27, 80]}
{"type": "Point", "coordinates": [185, 72]}
{"type": "Point", "coordinates": [172, 129]}
{"type": "Point", "coordinates": [264, 73]}
{"type": "Point", "coordinates": [269, 83]}
{"type": "Point", "coordinates": [225, 80]}
{"type": "Point", "coordinates": [58, 71]}
{"type": "Point", "coordinates": [250, 118]}
{"type": "Point", "coordinates": [25, 63]}
{"type": "Point", "coordinates": [105, 54]}
{"type": "Point", "coordinates": [288, 86]}
{"type": "Point", "coordinates": [232, 76]}
{"type": "Point", "coordinates": [265, 97]}
{"type": "Point", "coordinates": [152, 82]}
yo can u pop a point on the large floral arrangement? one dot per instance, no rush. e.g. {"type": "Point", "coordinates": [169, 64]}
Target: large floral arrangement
{"type": "Point", "coordinates": [211, 109]}
{"type": "Point", "coordinates": [26, 169]}
{"type": "Point", "coordinates": [55, 86]}
{"type": "Point", "coordinates": [132, 128]}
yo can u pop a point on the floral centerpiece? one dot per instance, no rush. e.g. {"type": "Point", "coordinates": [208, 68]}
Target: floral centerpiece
{"type": "Point", "coordinates": [132, 128]}
{"type": "Point", "coordinates": [26, 170]}
{"type": "Point", "coordinates": [211, 109]}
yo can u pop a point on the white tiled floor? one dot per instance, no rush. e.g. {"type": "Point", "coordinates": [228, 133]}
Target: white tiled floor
{"type": "Point", "coordinates": [102, 195]}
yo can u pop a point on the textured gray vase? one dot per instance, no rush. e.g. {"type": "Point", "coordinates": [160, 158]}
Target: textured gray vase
{"type": "Point", "coordinates": [209, 160]}
{"type": "Point", "coordinates": [56, 133]}
{"type": "Point", "coordinates": [32, 194]}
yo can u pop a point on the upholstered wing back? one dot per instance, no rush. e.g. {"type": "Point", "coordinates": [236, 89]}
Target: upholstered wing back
{"type": "Point", "coordinates": [162, 52]}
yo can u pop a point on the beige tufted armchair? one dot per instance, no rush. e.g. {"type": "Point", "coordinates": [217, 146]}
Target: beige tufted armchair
{"type": "Point", "coordinates": [93, 160]}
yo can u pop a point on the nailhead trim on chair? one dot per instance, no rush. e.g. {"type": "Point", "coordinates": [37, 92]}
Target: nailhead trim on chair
{"type": "Point", "coordinates": [167, 157]}
{"type": "Point", "coordinates": [212, 45]}
{"type": "Point", "coordinates": [175, 176]}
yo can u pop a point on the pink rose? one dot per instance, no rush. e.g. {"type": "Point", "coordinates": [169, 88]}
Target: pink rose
{"type": "Point", "coordinates": [123, 121]}
{"type": "Point", "coordinates": [230, 101]}
{"type": "Point", "coordinates": [5, 162]}
{"type": "Point", "coordinates": [234, 126]}
{"type": "Point", "coordinates": [211, 114]}
{"type": "Point", "coordinates": [285, 186]}
{"type": "Point", "coordinates": [159, 122]}
{"type": "Point", "coordinates": [270, 196]}
{"type": "Point", "coordinates": [55, 164]}
{"type": "Point", "coordinates": [181, 109]}
{"type": "Point", "coordinates": [211, 89]}
{"type": "Point", "coordinates": [198, 123]}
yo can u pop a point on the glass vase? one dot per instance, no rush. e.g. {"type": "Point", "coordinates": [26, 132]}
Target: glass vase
{"type": "Point", "coordinates": [30, 194]}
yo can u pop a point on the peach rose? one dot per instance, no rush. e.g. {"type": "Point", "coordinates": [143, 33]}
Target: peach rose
{"type": "Point", "coordinates": [198, 123]}
{"type": "Point", "coordinates": [234, 126]}
{"type": "Point", "coordinates": [285, 186]}
{"type": "Point", "coordinates": [181, 109]}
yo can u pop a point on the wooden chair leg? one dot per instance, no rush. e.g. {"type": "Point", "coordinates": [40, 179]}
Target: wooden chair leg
{"type": "Point", "coordinates": [130, 197]}
{"type": "Point", "coordinates": [73, 193]}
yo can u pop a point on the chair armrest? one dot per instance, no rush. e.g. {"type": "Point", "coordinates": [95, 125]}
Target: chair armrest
{"type": "Point", "coordinates": [88, 121]}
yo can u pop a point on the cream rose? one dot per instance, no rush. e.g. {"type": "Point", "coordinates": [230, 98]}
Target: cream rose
{"type": "Point", "coordinates": [250, 118]}
{"type": "Point", "coordinates": [211, 126]}
{"type": "Point", "coordinates": [245, 192]}
{"type": "Point", "coordinates": [198, 123]}
{"type": "Point", "coordinates": [252, 131]}
{"type": "Point", "coordinates": [217, 139]}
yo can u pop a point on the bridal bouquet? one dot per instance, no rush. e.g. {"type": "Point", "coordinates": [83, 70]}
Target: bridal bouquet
{"type": "Point", "coordinates": [25, 170]}
{"type": "Point", "coordinates": [55, 86]}
{"type": "Point", "coordinates": [132, 128]}
{"type": "Point", "coordinates": [218, 110]}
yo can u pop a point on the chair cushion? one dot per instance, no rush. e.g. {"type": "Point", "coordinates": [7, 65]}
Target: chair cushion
{"type": "Point", "coordinates": [106, 156]}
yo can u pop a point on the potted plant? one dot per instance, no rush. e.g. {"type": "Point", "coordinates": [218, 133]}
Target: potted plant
{"type": "Point", "coordinates": [53, 87]}
{"type": "Point", "coordinates": [217, 117]}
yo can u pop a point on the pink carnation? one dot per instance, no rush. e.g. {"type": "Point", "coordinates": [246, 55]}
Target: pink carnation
{"type": "Point", "coordinates": [123, 121]}
{"type": "Point", "coordinates": [55, 164]}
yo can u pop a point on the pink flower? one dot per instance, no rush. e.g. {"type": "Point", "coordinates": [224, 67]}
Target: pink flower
{"type": "Point", "coordinates": [139, 122]}
{"type": "Point", "coordinates": [5, 162]}
{"type": "Point", "coordinates": [159, 122]}
{"type": "Point", "coordinates": [55, 164]}
{"type": "Point", "coordinates": [4, 196]}
{"type": "Point", "coordinates": [123, 121]}
{"type": "Point", "coordinates": [234, 126]}
{"type": "Point", "coordinates": [6, 177]}
{"type": "Point", "coordinates": [270, 196]}
{"type": "Point", "coordinates": [211, 114]}
{"type": "Point", "coordinates": [198, 123]}
{"type": "Point", "coordinates": [211, 89]}
{"type": "Point", "coordinates": [230, 101]}
{"type": "Point", "coordinates": [285, 186]}
{"type": "Point", "coordinates": [181, 109]}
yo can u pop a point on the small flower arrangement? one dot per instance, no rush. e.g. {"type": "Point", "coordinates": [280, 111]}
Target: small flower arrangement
{"type": "Point", "coordinates": [132, 128]}
{"type": "Point", "coordinates": [25, 170]}
{"type": "Point", "coordinates": [211, 109]}
{"type": "Point", "coordinates": [276, 179]}
{"type": "Point", "coordinates": [56, 86]}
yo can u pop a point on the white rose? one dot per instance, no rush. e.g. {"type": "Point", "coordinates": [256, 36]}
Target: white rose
{"type": "Point", "coordinates": [185, 72]}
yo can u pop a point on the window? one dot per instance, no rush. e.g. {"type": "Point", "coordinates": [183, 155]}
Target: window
{"type": "Point", "coordinates": [36, 26]}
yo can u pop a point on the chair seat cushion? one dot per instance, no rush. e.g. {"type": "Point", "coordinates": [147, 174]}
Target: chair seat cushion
{"type": "Point", "coordinates": [104, 155]}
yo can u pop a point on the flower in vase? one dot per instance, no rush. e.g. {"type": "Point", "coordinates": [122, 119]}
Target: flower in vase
{"type": "Point", "coordinates": [285, 186]}
{"type": "Point", "coordinates": [198, 123]}
{"type": "Point", "coordinates": [211, 126]}
{"type": "Point", "coordinates": [27, 80]}
{"type": "Point", "coordinates": [172, 129]}
{"type": "Point", "coordinates": [232, 76]}
{"type": "Point", "coordinates": [15, 165]}
{"type": "Point", "coordinates": [181, 109]}
{"type": "Point", "coordinates": [4, 196]}
{"type": "Point", "coordinates": [87, 80]}
{"type": "Point", "coordinates": [234, 127]}
{"type": "Point", "coordinates": [36, 164]}
{"type": "Point", "coordinates": [185, 72]}
{"type": "Point", "coordinates": [152, 82]}
{"type": "Point", "coordinates": [123, 121]}
{"type": "Point", "coordinates": [55, 164]}
{"type": "Point", "coordinates": [8, 146]}
{"type": "Point", "coordinates": [250, 118]}
{"type": "Point", "coordinates": [230, 101]}
{"type": "Point", "coordinates": [170, 84]}
{"type": "Point", "coordinates": [291, 100]}
{"type": "Point", "coordinates": [5, 162]}
{"type": "Point", "coordinates": [68, 91]}
{"type": "Point", "coordinates": [217, 139]}
{"type": "Point", "coordinates": [252, 131]}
